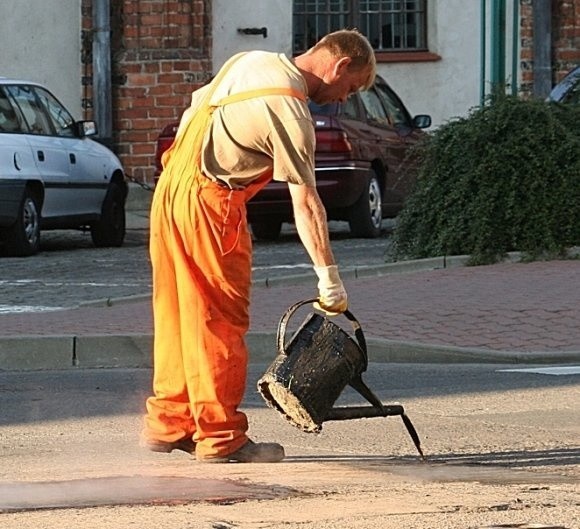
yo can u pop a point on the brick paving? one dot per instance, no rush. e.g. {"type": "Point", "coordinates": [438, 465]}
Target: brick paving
{"type": "Point", "coordinates": [519, 307]}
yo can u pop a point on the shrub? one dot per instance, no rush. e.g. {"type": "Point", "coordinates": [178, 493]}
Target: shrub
{"type": "Point", "coordinates": [505, 178]}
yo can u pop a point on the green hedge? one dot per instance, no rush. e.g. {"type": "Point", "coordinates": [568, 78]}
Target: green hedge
{"type": "Point", "coordinates": [505, 178]}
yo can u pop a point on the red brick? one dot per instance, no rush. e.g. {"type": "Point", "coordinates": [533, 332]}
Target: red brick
{"type": "Point", "coordinates": [161, 90]}
{"type": "Point", "coordinates": [570, 54]}
{"type": "Point", "coordinates": [170, 78]}
{"type": "Point", "coordinates": [167, 113]}
{"type": "Point", "coordinates": [174, 101]}
{"type": "Point", "coordinates": [141, 79]}
{"type": "Point", "coordinates": [143, 148]}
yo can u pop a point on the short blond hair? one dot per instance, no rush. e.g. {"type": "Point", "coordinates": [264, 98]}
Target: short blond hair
{"type": "Point", "coordinates": [350, 43]}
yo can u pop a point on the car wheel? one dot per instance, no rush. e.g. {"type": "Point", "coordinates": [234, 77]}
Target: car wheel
{"type": "Point", "coordinates": [109, 230]}
{"type": "Point", "coordinates": [366, 215]}
{"type": "Point", "coordinates": [267, 231]}
{"type": "Point", "coordinates": [23, 237]}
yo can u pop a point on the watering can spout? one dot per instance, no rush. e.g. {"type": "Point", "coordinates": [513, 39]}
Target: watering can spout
{"type": "Point", "coordinates": [378, 409]}
{"type": "Point", "coordinates": [358, 384]}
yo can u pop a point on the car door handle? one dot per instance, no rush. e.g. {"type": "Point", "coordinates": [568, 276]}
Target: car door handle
{"type": "Point", "coordinates": [72, 158]}
{"type": "Point", "coordinates": [40, 155]}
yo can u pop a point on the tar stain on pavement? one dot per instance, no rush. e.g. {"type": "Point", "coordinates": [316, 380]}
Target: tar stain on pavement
{"type": "Point", "coordinates": [131, 490]}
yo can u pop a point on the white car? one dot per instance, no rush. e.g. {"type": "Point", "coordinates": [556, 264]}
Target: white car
{"type": "Point", "coordinates": [52, 175]}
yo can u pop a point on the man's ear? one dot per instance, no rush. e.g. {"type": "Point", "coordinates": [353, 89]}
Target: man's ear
{"type": "Point", "coordinates": [341, 66]}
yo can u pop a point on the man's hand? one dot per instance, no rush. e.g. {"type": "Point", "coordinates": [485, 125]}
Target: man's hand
{"type": "Point", "coordinates": [332, 298]}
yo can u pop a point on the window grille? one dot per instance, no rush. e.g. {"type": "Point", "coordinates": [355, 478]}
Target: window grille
{"type": "Point", "coordinates": [390, 25]}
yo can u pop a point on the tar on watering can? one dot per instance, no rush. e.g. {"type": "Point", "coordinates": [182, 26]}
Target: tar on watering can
{"type": "Point", "coordinates": [313, 368]}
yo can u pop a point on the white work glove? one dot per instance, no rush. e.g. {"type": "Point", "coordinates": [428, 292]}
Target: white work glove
{"type": "Point", "coordinates": [332, 297]}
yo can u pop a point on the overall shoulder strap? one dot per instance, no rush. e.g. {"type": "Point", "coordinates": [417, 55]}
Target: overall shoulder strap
{"type": "Point", "coordinates": [220, 75]}
{"type": "Point", "coordinates": [262, 92]}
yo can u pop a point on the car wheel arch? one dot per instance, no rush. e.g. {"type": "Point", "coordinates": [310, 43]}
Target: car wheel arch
{"type": "Point", "coordinates": [381, 172]}
{"type": "Point", "coordinates": [22, 238]}
{"type": "Point", "coordinates": [36, 187]}
{"type": "Point", "coordinates": [118, 178]}
{"type": "Point", "coordinates": [109, 230]}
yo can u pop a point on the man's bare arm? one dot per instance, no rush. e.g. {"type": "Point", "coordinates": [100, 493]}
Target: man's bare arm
{"type": "Point", "coordinates": [311, 224]}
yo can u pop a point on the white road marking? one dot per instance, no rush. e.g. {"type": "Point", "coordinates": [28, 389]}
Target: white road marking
{"type": "Point", "coordinates": [282, 267]}
{"type": "Point", "coordinates": [20, 309]}
{"type": "Point", "coordinates": [560, 370]}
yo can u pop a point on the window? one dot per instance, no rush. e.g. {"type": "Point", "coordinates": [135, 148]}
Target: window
{"type": "Point", "coordinates": [397, 113]}
{"type": "Point", "coordinates": [9, 121]}
{"type": "Point", "coordinates": [62, 121]}
{"type": "Point", "coordinates": [374, 108]}
{"type": "Point", "coordinates": [390, 25]}
{"type": "Point", "coordinates": [350, 108]}
{"type": "Point", "coordinates": [36, 119]}
{"type": "Point", "coordinates": [573, 94]}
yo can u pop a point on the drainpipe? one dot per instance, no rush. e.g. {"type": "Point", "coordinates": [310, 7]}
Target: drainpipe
{"type": "Point", "coordinates": [542, 67]}
{"type": "Point", "coordinates": [102, 97]}
{"type": "Point", "coordinates": [515, 46]}
{"type": "Point", "coordinates": [482, 51]}
{"type": "Point", "coordinates": [498, 30]}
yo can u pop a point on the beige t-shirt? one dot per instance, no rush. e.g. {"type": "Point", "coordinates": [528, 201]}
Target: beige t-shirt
{"type": "Point", "coordinates": [251, 136]}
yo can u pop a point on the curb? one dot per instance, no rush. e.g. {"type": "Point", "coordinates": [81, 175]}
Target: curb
{"type": "Point", "coordinates": [37, 353]}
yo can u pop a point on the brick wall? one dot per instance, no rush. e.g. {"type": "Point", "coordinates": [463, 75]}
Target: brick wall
{"type": "Point", "coordinates": [161, 51]}
{"type": "Point", "coordinates": [565, 36]}
{"type": "Point", "coordinates": [565, 40]}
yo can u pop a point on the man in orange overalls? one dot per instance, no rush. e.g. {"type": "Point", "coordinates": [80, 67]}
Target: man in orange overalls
{"type": "Point", "coordinates": [250, 124]}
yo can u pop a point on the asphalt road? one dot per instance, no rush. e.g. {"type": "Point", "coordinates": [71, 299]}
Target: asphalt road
{"type": "Point", "coordinates": [501, 446]}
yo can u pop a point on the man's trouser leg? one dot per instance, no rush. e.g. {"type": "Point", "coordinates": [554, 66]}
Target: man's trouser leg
{"type": "Point", "coordinates": [169, 416]}
{"type": "Point", "coordinates": [201, 256]}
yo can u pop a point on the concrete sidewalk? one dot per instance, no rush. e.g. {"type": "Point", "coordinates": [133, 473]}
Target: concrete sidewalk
{"type": "Point", "coordinates": [505, 313]}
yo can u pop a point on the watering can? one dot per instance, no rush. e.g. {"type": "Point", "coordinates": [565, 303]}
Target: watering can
{"type": "Point", "coordinates": [313, 368]}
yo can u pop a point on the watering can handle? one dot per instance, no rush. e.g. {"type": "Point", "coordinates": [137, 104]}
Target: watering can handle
{"type": "Point", "coordinates": [280, 338]}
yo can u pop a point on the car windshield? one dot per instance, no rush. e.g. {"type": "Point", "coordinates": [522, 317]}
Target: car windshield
{"type": "Point", "coordinates": [331, 109]}
{"type": "Point", "coordinates": [567, 90]}
{"type": "Point", "coordinates": [347, 110]}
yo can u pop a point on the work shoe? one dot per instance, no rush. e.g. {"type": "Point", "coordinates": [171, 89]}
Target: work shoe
{"type": "Point", "coordinates": [185, 445]}
{"type": "Point", "coordinates": [249, 453]}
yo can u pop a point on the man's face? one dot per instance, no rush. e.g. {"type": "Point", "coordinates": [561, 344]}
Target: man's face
{"type": "Point", "coordinates": [339, 83]}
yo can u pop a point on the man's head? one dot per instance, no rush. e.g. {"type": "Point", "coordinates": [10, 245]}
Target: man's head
{"type": "Point", "coordinates": [341, 63]}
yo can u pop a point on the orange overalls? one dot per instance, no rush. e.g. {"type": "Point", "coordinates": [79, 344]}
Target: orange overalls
{"type": "Point", "coordinates": [200, 249]}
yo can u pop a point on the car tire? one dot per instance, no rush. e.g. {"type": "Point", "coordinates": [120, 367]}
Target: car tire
{"type": "Point", "coordinates": [267, 230]}
{"type": "Point", "coordinates": [365, 215]}
{"type": "Point", "coordinates": [109, 230]}
{"type": "Point", "coordinates": [23, 237]}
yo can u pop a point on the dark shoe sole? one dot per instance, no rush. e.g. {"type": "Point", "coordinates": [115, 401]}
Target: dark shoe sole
{"type": "Point", "coordinates": [249, 453]}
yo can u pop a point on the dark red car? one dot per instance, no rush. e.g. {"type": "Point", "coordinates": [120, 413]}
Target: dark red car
{"type": "Point", "coordinates": [363, 171]}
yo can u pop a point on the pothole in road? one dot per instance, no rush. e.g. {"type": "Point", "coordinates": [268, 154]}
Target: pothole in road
{"type": "Point", "coordinates": [131, 490]}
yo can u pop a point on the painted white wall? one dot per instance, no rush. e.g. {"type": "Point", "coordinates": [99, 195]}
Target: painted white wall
{"type": "Point", "coordinates": [229, 15]}
{"type": "Point", "coordinates": [40, 41]}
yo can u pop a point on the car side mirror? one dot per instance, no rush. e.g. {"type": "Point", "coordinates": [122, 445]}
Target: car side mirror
{"type": "Point", "coordinates": [86, 128]}
{"type": "Point", "coordinates": [422, 121]}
